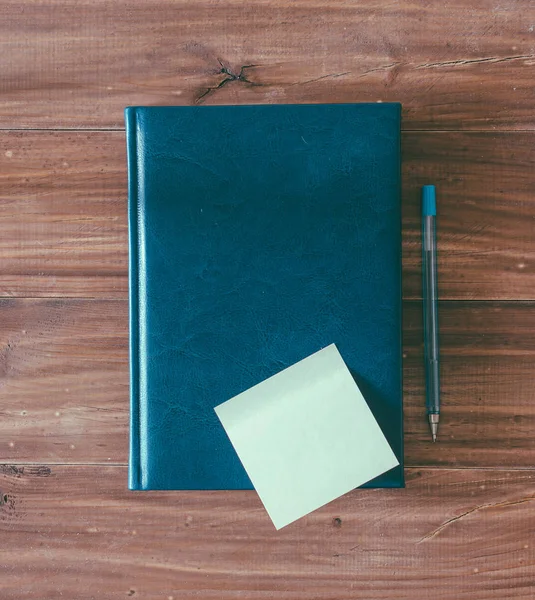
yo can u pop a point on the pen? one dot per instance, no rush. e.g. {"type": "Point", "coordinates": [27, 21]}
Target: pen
{"type": "Point", "coordinates": [430, 307]}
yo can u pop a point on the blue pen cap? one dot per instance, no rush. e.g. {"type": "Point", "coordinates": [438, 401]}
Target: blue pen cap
{"type": "Point", "coordinates": [429, 203]}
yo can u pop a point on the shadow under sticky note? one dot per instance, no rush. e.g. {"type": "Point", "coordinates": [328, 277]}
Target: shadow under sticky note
{"type": "Point", "coordinates": [306, 436]}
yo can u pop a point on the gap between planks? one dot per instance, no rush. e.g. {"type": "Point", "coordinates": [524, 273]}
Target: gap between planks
{"type": "Point", "coordinates": [122, 129]}
{"type": "Point", "coordinates": [125, 466]}
{"type": "Point", "coordinates": [405, 300]}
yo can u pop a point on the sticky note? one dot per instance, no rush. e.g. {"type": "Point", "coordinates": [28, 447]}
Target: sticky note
{"type": "Point", "coordinates": [306, 436]}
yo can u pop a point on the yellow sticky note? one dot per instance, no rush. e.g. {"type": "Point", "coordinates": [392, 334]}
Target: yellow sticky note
{"type": "Point", "coordinates": [306, 436]}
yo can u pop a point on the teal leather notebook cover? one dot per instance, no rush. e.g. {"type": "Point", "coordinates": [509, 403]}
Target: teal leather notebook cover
{"type": "Point", "coordinates": [258, 235]}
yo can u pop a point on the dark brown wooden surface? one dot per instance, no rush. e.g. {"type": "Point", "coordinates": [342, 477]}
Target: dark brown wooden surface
{"type": "Point", "coordinates": [465, 72]}
{"type": "Point", "coordinates": [455, 64]}
{"type": "Point", "coordinates": [63, 213]}
{"type": "Point", "coordinates": [75, 532]}
{"type": "Point", "coordinates": [486, 223]}
{"type": "Point", "coordinates": [65, 383]}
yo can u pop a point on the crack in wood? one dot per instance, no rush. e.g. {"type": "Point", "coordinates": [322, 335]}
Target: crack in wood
{"type": "Point", "coordinates": [230, 76]}
{"type": "Point", "coordinates": [475, 509]}
{"type": "Point", "coordinates": [471, 61]}
{"type": "Point", "coordinates": [381, 68]}
{"type": "Point", "coordinates": [328, 76]}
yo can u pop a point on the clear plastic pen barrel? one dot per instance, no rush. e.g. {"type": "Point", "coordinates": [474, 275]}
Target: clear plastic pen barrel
{"type": "Point", "coordinates": [430, 315]}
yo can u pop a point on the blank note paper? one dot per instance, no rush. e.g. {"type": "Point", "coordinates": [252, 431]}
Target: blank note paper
{"type": "Point", "coordinates": [306, 436]}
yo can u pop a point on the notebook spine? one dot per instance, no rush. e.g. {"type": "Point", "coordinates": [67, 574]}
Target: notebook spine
{"type": "Point", "coordinates": [400, 296]}
{"type": "Point", "coordinates": [134, 463]}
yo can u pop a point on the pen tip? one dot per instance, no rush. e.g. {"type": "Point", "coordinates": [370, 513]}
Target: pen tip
{"type": "Point", "coordinates": [433, 423]}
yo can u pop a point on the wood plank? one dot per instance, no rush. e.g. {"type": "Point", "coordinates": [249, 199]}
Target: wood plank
{"type": "Point", "coordinates": [64, 378]}
{"type": "Point", "coordinates": [486, 213]}
{"type": "Point", "coordinates": [64, 222]}
{"type": "Point", "coordinates": [454, 64]}
{"type": "Point", "coordinates": [63, 214]}
{"type": "Point", "coordinates": [488, 378]}
{"type": "Point", "coordinates": [76, 532]}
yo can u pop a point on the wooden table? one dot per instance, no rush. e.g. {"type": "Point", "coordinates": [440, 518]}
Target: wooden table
{"type": "Point", "coordinates": [464, 528]}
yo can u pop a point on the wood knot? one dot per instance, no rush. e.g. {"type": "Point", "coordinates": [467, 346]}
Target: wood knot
{"type": "Point", "coordinates": [337, 522]}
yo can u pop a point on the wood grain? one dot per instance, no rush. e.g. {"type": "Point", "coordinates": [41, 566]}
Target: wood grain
{"type": "Point", "coordinates": [65, 383]}
{"type": "Point", "coordinates": [455, 64]}
{"type": "Point", "coordinates": [74, 532]}
{"type": "Point", "coordinates": [486, 213]}
{"type": "Point", "coordinates": [64, 222]}
{"type": "Point", "coordinates": [64, 380]}
{"type": "Point", "coordinates": [63, 214]}
{"type": "Point", "coordinates": [488, 377]}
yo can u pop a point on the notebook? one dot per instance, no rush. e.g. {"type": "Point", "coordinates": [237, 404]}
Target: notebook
{"type": "Point", "coordinates": [258, 236]}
